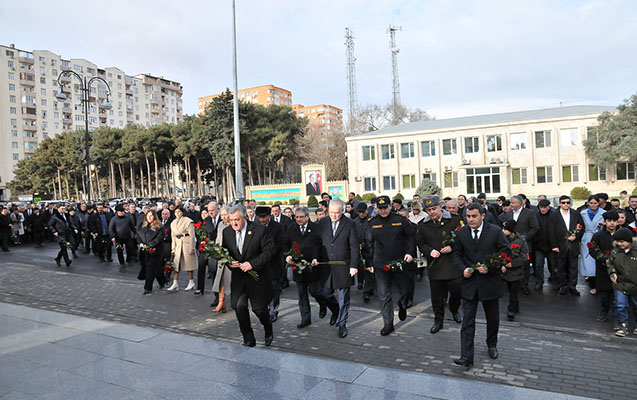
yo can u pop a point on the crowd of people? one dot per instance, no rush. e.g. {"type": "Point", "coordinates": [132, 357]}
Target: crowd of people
{"type": "Point", "coordinates": [469, 249]}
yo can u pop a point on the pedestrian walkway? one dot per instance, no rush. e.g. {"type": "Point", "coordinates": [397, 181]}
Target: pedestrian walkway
{"type": "Point", "coordinates": [51, 355]}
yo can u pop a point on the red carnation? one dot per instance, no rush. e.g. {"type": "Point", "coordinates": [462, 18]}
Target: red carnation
{"type": "Point", "coordinates": [166, 230]}
{"type": "Point", "coordinates": [515, 246]}
{"type": "Point", "coordinates": [606, 251]}
{"type": "Point", "coordinates": [297, 251]}
{"type": "Point", "coordinates": [590, 245]}
{"type": "Point", "coordinates": [458, 227]}
{"type": "Point", "coordinates": [205, 223]}
{"type": "Point", "coordinates": [296, 245]}
{"type": "Point", "coordinates": [386, 268]}
{"type": "Point", "coordinates": [152, 250]}
{"type": "Point", "coordinates": [579, 226]}
{"type": "Point", "coordinates": [293, 264]}
{"type": "Point", "coordinates": [293, 268]}
{"type": "Point", "coordinates": [635, 229]}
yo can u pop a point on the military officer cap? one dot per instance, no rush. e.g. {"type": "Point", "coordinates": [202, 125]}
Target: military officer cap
{"type": "Point", "coordinates": [398, 201]}
{"type": "Point", "coordinates": [431, 201]}
{"type": "Point", "coordinates": [383, 202]}
{"type": "Point", "coordinates": [119, 207]}
{"type": "Point", "coordinates": [361, 207]}
{"type": "Point", "coordinates": [263, 211]}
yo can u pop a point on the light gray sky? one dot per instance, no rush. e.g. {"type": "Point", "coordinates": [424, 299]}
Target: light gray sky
{"type": "Point", "coordinates": [456, 57]}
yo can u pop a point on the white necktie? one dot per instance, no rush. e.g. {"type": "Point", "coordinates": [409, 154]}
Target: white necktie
{"type": "Point", "coordinates": [303, 230]}
{"type": "Point", "coordinates": [334, 225]}
{"type": "Point", "coordinates": [239, 241]}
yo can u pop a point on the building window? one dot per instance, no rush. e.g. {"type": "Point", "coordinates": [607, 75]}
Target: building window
{"type": "Point", "coordinates": [428, 149]}
{"type": "Point", "coordinates": [451, 179]}
{"type": "Point", "coordinates": [16, 156]}
{"type": "Point", "coordinates": [14, 145]}
{"type": "Point", "coordinates": [596, 173]}
{"type": "Point", "coordinates": [449, 147]}
{"type": "Point", "coordinates": [369, 153]}
{"type": "Point", "coordinates": [406, 150]}
{"type": "Point", "coordinates": [12, 110]}
{"type": "Point", "coordinates": [389, 182]}
{"type": "Point", "coordinates": [570, 173]}
{"type": "Point", "coordinates": [568, 137]}
{"type": "Point", "coordinates": [409, 181]}
{"type": "Point", "coordinates": [370, 184]}
{"type": "Point", "coordinates": [12, 87]}
{"type": "Point", "coordinates": [591, 132]}
{"type": "Point", "coordinates": [483, 180]}
{"type": "Point", "coordinates": [625, 171]}
{"type": "Point", "coordinates": [518, 141]}
{"type": "Point", "coordinates": [519, 176]}
{"type": "Point", "coordinates": [387, 151]}
{"type": "Point", "coordinates": [11, 75]}
{"type": "Point", "coordinates": [431, 176]}
{"type": "Point", "coordinates": [542, 139]}
{"type": "Point", "coordinates": [544, 174]}
{"type": "Point", "coordinates": [494, 143]}
{"type": "Point", "coordinates": [471, 144]}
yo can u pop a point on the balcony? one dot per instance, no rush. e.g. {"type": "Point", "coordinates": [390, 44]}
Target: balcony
{"type": "Point", "coordinates": [30, 128]}
{"type": "Point", "coordinates": [67, 108]}
{"type": "Point", "coordinates": [31, 117]}
{"type": "Point", "coordinates": [65, 78]}
{"type": "Point", "coordinates": [67, 121]}
{"type": "Point", "coordinates": [26, 60]}
{"type": "Point", "coordinates": [27, 82]}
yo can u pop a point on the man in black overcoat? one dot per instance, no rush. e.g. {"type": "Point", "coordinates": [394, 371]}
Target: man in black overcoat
{"type": "Point", "coordinates": [565, 241]}
{"type": "Point", "coordinates": [249, 244]}
{"type": "Point", "coordinates": [473, 243]}
{"type": "Point", "coordinates": [276, 233]}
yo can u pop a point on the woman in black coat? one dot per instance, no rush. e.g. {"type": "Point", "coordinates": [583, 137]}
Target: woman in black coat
{"type": "Point", "coordinates": [151, 241]}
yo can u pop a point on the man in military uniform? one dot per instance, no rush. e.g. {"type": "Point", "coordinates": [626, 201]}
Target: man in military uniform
{"type": "Point", "coordinates": [444, 277]}
{"type": "Point", "coordinates": [389, 237]}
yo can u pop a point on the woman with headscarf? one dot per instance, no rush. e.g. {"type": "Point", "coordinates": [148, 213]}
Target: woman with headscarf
{"type": "Point", "coordinates": [151, 240]}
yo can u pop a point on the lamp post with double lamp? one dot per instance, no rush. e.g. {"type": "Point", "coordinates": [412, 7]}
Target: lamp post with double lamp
{"type": "Point", "coordinates": [85, 89]}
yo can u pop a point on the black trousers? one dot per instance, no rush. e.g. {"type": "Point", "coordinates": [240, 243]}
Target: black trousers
{"type": "Point", "coordinates": [129, 244]}
{"type": "Point", "coordinates": [63, 253]}
{"type": "Point", "coordinates": [203, 265]}
{"type": "Point", "coordinates": [4, 240]}
{"type": "Point", "coordinates": [409, 277]}
{"type": "Point", "coordinates": [76, 240]}
{"type": "Point", "coordinates": [321, 294]}
{"type": "Point", "coordinates": [514, 290]}
{"type": "Point", "coordinates": [243, 317]}
{"type": "Point", "coordinates": [88, 239]}
{"type": "Point", "coordinates": [606, 300]}
{"type": "Point", "coordinates": [104, 247]}
{"type": "Point", "coordinates": [468, 330]}
{"type": "Point", "coordinates": [567, 269]}
{"type": "Point", "coordinates": [154, 267]}
{"type": "Point", "coordinates": [440, 288]}
{"type": "Point", "coordinates": [384, 281]}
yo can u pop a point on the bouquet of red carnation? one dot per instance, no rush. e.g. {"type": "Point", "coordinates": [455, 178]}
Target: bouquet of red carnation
{"type": "Point", "coordinates": [211, 249]}
{"type": "Point", "coordinates": [200, 230]}
{"type": "Point", "coordinates": [574, 232]}
{"type": "Point", "coordinates": [299, 264]}
{"type": "Point", "coordinates": [169, 267]}
{"type": "Point", "coordinates": [515, 250]}
{"type": "Point", "coordinates": [495, 260]}
{"type": "Point", "coordinates": [394, 266]}
{"type": "Point", "coordinates": [150, 250]}
{"type": "Point", "coordinates": [597, 253]}
{"type": "Point", "coordinates": [68, 245]}
{"type": "Point", "coordinates": [448, 238]}
{"type": "Point", "coordinates": [119, 246]}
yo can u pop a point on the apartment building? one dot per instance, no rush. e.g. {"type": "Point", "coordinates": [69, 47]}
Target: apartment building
{"type": "Point", "coordinates": [30, 111]}
{"type": "Point", "coordinates": [264, 95]}
{"type": "Point", "coordinates": [532, 152]}
{"type": "Point", "coordinates": [323, 120]}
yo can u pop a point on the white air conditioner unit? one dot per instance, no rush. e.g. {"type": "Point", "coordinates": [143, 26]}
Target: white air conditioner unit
{"type": "Point", "coordinates": [493, 160]}
{"type": "Point", "coordinates": [466, 161]}
{"type": "Point", "coordinates": [428, 170]}
{"type": "Point", "coordinates": [448, 168]}
{"type": "Point", "coordinates": [358, 178]}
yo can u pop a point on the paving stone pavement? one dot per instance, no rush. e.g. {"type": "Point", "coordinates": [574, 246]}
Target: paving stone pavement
{"type": "Point", "coordinates": [554, 346]}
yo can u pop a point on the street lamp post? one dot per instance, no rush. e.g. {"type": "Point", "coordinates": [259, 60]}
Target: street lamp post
{"type": "Point", "coordinates": [85, 88]}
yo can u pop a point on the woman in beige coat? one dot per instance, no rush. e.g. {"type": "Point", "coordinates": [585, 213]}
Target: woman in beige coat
{"type": "Point", "coordinates": [223, 277]}
{"type": "Point", "coordinates": [183, 248]}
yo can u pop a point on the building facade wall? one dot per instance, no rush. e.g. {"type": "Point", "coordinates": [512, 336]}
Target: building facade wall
{"type": "Point", "coordinates": [323, 120]}
{"type": "Point", "coordinates": [264, 95]}
{"type": "Point", "coordinates": [514, 163]}
{"type": "Point", "coordinates": [30, 112]}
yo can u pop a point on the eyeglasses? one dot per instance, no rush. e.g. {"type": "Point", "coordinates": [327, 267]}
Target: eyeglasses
{"type": "Point", "coordinates": [565, 202]}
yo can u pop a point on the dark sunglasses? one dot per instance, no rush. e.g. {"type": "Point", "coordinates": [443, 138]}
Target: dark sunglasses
{"type": "Point", "coordinates": [565, 202]}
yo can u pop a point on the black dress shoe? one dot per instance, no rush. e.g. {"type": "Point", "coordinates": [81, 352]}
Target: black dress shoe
{"type": "Point", "coordinates": [563, 290]}
{"type": "Point", "coordinates": [436, 327]}
{"type": "Point", "coordinates": [493, 352]}
{"type": "Point", "coordinates": [333, 319]}
{"type": "Point", "coordinates": [464, 362]}
{"type": "Point", "coordinates": [538, 286]}
{"type": "Point", "coordinates": [147, 292]}
{"type": "Point", "coordinates": [342, 331]}
{"type": "Point", "coordinates": [285, 285]}
{"type": "Point", "coordinates": [359, 286]}
{"type": "Point", "coordinates": [418, 277]}
{"type": "Point", "coordinates": [402, 312]}
{"type": "Point", "coordinates": [387, 329]}
{"type": "Point", "coordinates": [322, 311]}
{"type": "Point", "coordinates": [274, 317]}
{"type": "Point", "coordinates": [303, 324]}
{"type": "Point", "coordinates": [57, 261]}
{"type": "Point", "coordinates": [603, 316]}
{"type": "Point", "coordinates": [366, 298]}
{"type": "Point", "coordinates": [268, 339]}
{"type": "Point", "coordinates": [409, 303]}
{"type": "Point", "coordinates": [525, 290]}
{"type": "Point", "coordinates": [456, 317]}
{"type": "Point", "coordinates": [510, 316]}
{"type": "Point", "coordinates": [249, 342]}
{"type": "Point", "coordinates": [574, 291]}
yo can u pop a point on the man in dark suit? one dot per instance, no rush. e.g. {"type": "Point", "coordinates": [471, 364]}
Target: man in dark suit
{"type": "Point", "coordinates": [526, 226]}
{"type": "Point", "coordinates": [285, 223]}
{"type": "Point", "coordinates": [473, 243]}
{"type": "Point", "coordinates": [275, 232]}
{"type": "Point", "coordinates": [97, 225]}
{"type": "Point", "coordinates": [631, 210]}
{"type": "Point", "coordinates": [389, 237]}
{"type": "Point", "coordinates": [209, 226]}
{"type": "Point", "coordinates": [249, 244]}
{"type": "Point", "coordinates": [566, 244]}
{"type": "Point", "coordinates": [305, 234]}
{"type": "Point", "coordinates": [312, 187]}
{"type": "Point", "coordinates": [62, 228]}
{"type": "Point", "coordinates": [339, 244]}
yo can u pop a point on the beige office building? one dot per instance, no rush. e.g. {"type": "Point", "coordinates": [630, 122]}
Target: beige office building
{"type": "Point", "coordinates": [532, 152]}
{"type": "Point", "coordinates": [30, 112]}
